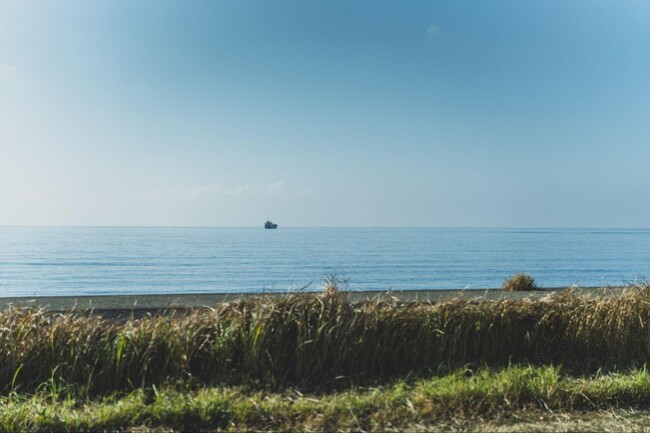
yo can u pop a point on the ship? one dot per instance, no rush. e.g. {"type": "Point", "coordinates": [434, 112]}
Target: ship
{"type": "Point", "coordinates": [270, 225]}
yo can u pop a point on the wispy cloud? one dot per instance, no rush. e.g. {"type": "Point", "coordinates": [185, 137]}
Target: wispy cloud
{"type": "Point", "coordinates": [242, 189]}
{"type": "Point", "coordinates": [38, 193]}
{"type": "Point", "coordinates": [275, 186]}
{"type": "Point", "coordinates": [7, 71]}
{"type": "Point", "coordinates": [433, 30]}
{"type": "Point", "coordinates": [200, 191]}
{"type": "Point", "coordinates": [174, 193]}
{"type": "Point", "coordinates": [205, 190]}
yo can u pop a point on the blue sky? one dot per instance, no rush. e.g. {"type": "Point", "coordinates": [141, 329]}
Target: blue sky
{"type": "Point", "coordinates": [325, 113]}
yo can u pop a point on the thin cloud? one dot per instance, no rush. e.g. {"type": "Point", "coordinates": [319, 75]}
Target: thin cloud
{"type": "Point", "coordinates": [208, 190]}
{"type": "Point", "coordinates": [174, 193]}
{"type": "Point", "coordinates": [275, 186]}
{"type": "Point", "coordinates": [36, 193]}
{"type": "Point", "coordinates": [205, 190]}
{"type": "Point", "coordinates": [433, 30]}
{"type": "Point", "coordinates": [157, 194]}
{"type": "Point", "coordinates": [8, 71]}
{"type": "Point", "coordinates": [242, 189]}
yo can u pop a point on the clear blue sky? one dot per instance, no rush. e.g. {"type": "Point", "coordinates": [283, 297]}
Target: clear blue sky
{"type": "Point", "coordinates": [335, 113]}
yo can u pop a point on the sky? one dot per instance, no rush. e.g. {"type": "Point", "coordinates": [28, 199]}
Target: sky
{"type": "Point", "coordinates": [325, 113]}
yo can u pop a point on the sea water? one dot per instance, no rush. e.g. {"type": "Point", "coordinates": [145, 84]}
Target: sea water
{"type": "Point", "coordinates": [98, 260]}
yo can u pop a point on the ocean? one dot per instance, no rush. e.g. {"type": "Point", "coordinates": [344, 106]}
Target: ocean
{"type": "Point", "coordinates": [39, 261]}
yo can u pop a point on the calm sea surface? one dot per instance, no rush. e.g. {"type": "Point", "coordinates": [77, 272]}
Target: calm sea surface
{"type": "Point", "coordinates": [65, 261]}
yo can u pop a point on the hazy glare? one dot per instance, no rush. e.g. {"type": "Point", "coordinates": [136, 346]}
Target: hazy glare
{"type": "Point", "coordinates": [335, 113]}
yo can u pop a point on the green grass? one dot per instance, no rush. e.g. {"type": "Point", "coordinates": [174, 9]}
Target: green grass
{"type": "Point", "coordinates": [463, 399]}
{"type": "Point", "coordinates": [319, 341]}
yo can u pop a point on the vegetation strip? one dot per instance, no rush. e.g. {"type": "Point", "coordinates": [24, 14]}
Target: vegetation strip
{"type": "Point", "coordinates": [419, 405]}
{"type": "Point", "coordinates": [315, 340]}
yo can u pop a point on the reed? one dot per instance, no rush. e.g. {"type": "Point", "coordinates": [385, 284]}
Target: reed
{"type": "Point", "coordinates": [312, 340]}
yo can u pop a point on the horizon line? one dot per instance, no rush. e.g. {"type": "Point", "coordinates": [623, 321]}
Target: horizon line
{"type": "Point", "coordinates": [331, 227]}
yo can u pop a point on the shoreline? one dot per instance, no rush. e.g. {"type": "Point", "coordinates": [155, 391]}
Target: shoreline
{"type": "Point", "coordinates": [119, 305]}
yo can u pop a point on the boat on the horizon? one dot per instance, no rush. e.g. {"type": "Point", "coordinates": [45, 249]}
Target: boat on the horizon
{"type": "Point", "coordinates": [270, 225]}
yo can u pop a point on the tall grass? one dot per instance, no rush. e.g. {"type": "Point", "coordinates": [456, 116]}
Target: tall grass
{"type": "Point", "coordinates": [309, 340]}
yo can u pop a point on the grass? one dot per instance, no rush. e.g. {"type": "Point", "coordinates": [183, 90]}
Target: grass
{"type": "Point", "coordinates": [520, 282]}
{"type": "Point", "coordinates": [309, 362]}
{"type": "Point", "coordinates": [462, 400]}
{"type": "Point", "coordinates": [320, 341]}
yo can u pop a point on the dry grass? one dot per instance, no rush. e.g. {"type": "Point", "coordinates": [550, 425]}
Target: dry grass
{"type": "Point", "coordinates": [319, 340]}
{"type": "Point", "coordinates": [520, 282]}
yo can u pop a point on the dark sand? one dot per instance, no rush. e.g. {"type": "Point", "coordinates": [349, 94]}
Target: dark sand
{"type": "Point", "coordinates": [138, 305]}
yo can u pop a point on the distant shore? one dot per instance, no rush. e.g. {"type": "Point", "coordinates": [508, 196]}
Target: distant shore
{"type": "Point", "coordinates": [121, 305]}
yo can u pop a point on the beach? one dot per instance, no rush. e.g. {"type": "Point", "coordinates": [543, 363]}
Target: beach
{"type": "Point", "coordinates": [125, 305]}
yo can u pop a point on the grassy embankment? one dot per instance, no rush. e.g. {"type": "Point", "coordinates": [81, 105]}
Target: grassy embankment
{"type": "Point", "coordinates": [530, 397]}
{"type": "Point", "coordinates": [319, 362]}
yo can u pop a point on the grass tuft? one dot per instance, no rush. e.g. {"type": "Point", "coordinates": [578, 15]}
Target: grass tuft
{"type": "Point", "coordinates": [520, 282]}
